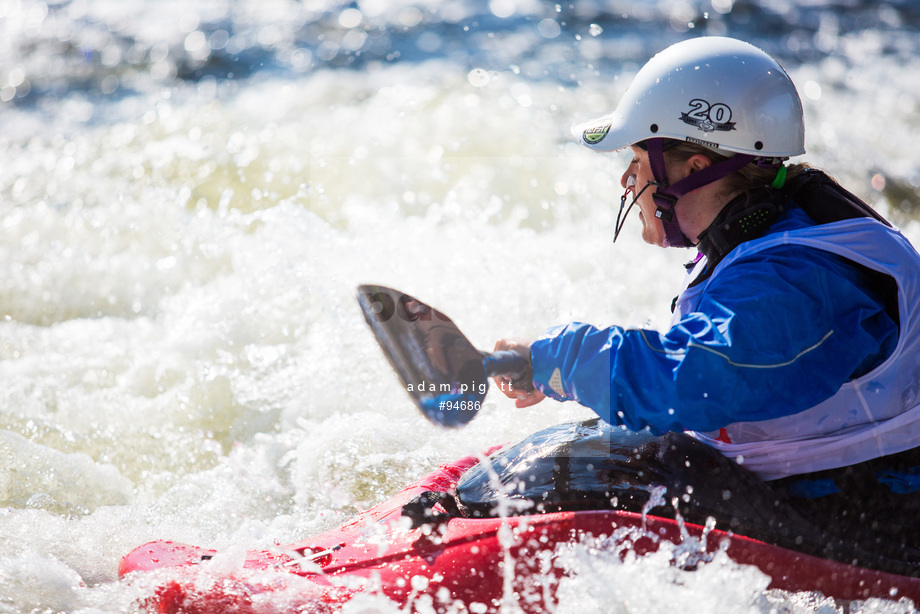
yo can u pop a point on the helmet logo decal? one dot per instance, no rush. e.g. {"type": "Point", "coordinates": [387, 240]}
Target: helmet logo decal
{"type": "Point", "coordinates": [708, 117]}
{"type": "Point", "coordinates": [593, 136]}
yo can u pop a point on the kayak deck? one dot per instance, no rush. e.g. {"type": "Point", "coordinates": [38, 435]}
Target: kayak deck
{"type": "Point", "coordinates": [466, 560]}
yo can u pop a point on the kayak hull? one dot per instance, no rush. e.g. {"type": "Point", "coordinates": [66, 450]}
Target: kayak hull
{"type": "Point", "coordinates": [476, 562]}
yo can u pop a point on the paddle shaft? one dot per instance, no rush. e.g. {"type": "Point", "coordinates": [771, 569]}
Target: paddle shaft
{"type": "Point", "coordinates": [512, 364]}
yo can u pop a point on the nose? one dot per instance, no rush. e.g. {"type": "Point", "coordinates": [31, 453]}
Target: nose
{"type": "Point", "coordinates": [628, 179]}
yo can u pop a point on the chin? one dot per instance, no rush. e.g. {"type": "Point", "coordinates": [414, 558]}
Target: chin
{"type": "Point", "coordinates": [656, 239]}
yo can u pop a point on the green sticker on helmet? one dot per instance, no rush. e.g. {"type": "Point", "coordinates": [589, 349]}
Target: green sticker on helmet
{"type": "Point", "coordinates": [593, 136]}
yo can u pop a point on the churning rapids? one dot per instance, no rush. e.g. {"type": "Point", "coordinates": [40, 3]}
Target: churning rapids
{"type": "Point", "coordinates": [190, 190]}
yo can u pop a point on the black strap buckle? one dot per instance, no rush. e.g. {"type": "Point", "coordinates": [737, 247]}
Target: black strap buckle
{"type": "Point", "coordinates": [431, 508]}
{"type": "Point", "coordinates": [664, 204]}
{"type": "Point", "coordinates": [665, 215]}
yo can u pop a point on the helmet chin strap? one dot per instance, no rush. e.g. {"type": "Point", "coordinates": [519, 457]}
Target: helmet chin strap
{"type": "Point", "coordinates": [666, 196]}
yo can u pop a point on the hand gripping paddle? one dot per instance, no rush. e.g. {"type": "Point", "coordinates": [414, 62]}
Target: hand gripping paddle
{"type": "Point", "coordinates": [446, 376]}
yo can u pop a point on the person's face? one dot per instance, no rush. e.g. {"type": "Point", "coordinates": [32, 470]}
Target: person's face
{"type": "Point", "coordinates": [652, 228]}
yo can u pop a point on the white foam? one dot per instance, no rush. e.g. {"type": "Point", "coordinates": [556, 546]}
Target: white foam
{"type": "Point", "coordinates": [182, 354]}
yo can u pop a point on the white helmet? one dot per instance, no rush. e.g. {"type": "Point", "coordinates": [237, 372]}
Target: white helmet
{"type": "Point", "coordinates": [719, 92]}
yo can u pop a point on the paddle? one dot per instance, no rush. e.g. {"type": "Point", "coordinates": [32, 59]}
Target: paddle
{"type": "Point", "coordinates": [444, 373]}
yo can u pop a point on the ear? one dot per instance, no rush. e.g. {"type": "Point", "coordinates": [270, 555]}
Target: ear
{"type": "Point", "coordinates": [698, 162]}
{"type": "Point", "coordinates": [693, 164]}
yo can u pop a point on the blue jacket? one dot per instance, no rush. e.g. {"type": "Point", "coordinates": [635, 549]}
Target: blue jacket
{"type": "Point", "coordinates": [776, 308]}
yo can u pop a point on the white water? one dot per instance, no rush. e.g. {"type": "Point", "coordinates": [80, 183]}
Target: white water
{"type": "Point", "coordinates": [180, 349]}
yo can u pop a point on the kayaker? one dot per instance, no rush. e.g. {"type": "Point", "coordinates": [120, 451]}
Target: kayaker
{"type": "Point", "coordinates": [795, 343]}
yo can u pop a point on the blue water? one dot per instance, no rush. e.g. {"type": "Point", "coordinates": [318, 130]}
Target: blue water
{"type": "Point", "coordinates": [109, 48]}
{"type": "Point", "coordinates": [190, 191]}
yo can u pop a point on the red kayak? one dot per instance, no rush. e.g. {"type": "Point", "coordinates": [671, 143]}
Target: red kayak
{"type": "Point", "coordinates": [420, 546]}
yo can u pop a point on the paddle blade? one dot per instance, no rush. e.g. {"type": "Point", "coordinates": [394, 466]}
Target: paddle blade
{"type": "Point", "coordinates": [436, 363]}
